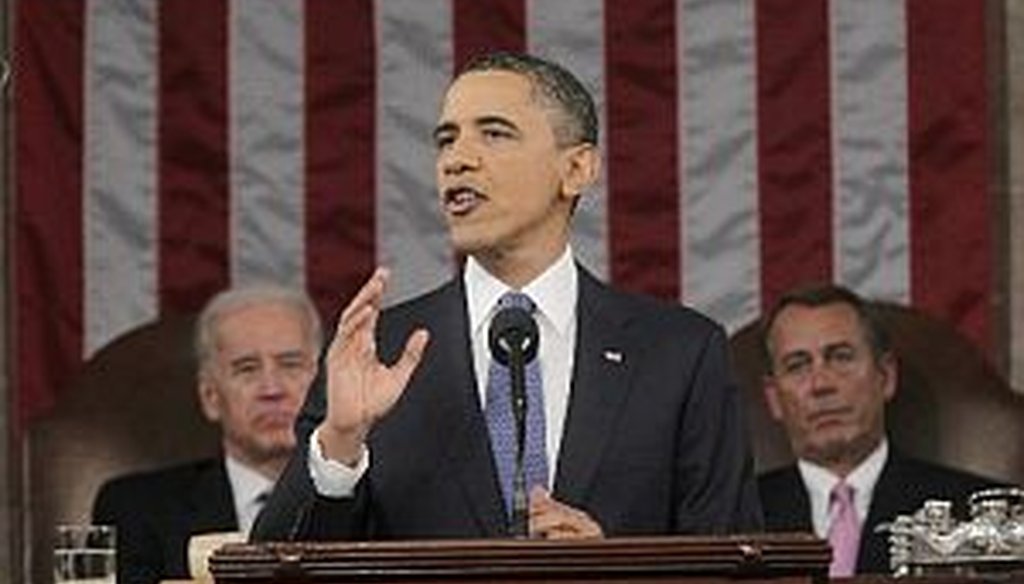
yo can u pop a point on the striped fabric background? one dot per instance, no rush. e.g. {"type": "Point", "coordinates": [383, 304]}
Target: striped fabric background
{"type": "Point", "coordinates": [168, 148]}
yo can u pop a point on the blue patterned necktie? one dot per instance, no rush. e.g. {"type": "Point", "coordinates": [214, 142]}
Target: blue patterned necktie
{"type": "Point", "coordinates": [501, 424]}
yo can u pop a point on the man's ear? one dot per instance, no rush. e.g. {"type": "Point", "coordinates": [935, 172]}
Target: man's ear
{"type": "Point", "coordinates": [581, 168]}
{"type": "Point", "coordinates": [209, 397]}
{"type": "Point", "coordinates": [889, 367]}
{"type": "Point", "coordinates": [771, 397]}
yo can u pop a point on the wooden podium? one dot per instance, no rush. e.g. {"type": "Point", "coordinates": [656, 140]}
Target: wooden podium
{"type": "Point", "coordinates": [769, 558]}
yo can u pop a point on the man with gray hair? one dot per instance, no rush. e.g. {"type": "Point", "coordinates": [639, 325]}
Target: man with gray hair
{"type": "Point", "coordinates": [256, 350]}
{"type": "Point", "coordinates": [830, 371]}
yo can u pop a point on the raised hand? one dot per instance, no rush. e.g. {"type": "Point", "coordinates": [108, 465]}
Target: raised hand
{"type": "Point", "coordinates": [361, 389]}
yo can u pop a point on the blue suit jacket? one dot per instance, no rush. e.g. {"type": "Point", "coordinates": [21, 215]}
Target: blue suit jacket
{"type": "Point", "coordinates": [653, 443]}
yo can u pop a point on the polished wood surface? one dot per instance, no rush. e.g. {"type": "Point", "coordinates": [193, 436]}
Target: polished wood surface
{"type": "Point", "coordinates": [778, 559]}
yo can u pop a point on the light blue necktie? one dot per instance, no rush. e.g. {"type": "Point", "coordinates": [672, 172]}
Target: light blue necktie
{"type": "Point", "coordinates": [501, 423]}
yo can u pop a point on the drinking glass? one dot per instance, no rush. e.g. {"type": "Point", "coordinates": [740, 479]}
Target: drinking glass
{"type": "Point", "coordinates": [85, 554]}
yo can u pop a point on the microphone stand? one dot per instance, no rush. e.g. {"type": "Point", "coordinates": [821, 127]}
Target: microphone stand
{"type": "Point", "coordinates": [520, 524]}
{"type": "Point", "coordinates": [514, 339]}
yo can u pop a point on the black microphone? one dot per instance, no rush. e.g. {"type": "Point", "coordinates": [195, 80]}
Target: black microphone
{"type": "Point", "coordinates": [514, 341]}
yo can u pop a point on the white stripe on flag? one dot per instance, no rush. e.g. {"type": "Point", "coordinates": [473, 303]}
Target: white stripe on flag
{"type": "Point", "coordinates": [266, 56]}
{"type": "Point", "coordinates": [869, 64]}
{"type": "Point", "coordinates": [414, 65]}
{"type": "Point", "coordinates": [719, 246]}
{"type": "Point", "coordinates": [571, 33]}
{"type": "Point", "coordinates": [119, 169]}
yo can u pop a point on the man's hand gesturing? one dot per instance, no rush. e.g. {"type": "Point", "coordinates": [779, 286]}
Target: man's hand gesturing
{"type": "Point", "coordinates": [361, 389]}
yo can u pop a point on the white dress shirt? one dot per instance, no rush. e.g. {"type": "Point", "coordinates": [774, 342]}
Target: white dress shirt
{"type": "Point", "coordinates": [555, 293]}
{"type": "Point", "coordinates": [247, 487]}
{"type": "Point", "coordinates": [819, 482]}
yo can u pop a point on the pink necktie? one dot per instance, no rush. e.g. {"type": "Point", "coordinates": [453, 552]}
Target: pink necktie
{"type": "Point", "coordinates": [843, 532]}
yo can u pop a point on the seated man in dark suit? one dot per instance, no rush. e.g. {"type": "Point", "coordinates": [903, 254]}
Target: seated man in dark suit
{"type": "Point", "coordinates": [635, 426]}
{"type": "Point", "coordinates": [256, 350]}
{"type": "Point", "coordinates": [830, 373]}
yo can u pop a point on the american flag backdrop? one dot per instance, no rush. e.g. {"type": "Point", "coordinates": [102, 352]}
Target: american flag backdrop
{"type": "Point", "coordinates": [167, 148]}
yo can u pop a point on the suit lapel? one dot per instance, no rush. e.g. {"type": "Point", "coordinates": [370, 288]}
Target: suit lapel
{"type": "Point", "coordinates": [460, 420]}
{"type": "Point", "coordinates": [787, 506]}
{"type": "Point", "coordinates": [890, 498]}
{"type": "Point", "coordinates": [599, 386]}
{"type": "Point", "coordinates": [213, 507]}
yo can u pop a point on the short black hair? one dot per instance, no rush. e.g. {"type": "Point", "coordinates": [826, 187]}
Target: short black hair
{"type": "Point", "coordinates": [817, 295]}
{"type": "Point", "coordinates": [555, 85]}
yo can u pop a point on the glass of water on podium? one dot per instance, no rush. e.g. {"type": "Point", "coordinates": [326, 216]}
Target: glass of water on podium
{"type": "Point", "coordinates": [85, 554]}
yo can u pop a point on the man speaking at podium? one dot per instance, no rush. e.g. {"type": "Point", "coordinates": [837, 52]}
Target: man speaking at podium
{"type": "Point", "coordinates": [628, 420]}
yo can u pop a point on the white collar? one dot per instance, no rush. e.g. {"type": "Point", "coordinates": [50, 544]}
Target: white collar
{"type": "Point", "coordinates": [820, 481]}
{"type": "Point", "coordinates": [246, 483]}
{"type": "Point", "coordinates": [554, 292]}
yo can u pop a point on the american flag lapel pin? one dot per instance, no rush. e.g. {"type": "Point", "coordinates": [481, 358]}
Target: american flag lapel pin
{"type": "Point", "coordinates": [613, 356]}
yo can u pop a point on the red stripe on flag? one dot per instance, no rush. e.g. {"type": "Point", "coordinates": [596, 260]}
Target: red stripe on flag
{"type": "Point", "coordinates": [643, 177]}
{"type": "Point", "coordinates": [487, 26]}
{"type": "Point", "coordinates": [794, 144]}
{"type": "Point", "coordinates": [950, 209]}
{"type": "Point", "coordinates": [47, 266]}
{"type": "Point", "coordinates": [340, 157]}
{"type": "Point", "coordinates": [193, 153]}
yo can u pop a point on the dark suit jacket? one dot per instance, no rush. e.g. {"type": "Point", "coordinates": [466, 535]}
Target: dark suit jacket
{"type": "Point", "coordinates": [157, 512]}
{"type": "Point", "coordinates": [654, 442]}
{"type": "Point", "coordinates": [902, 488]}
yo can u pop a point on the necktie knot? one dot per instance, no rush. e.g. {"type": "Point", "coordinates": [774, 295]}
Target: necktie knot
{"type": "Point", "coordinates": [517, 300]}
{"type": "Point", "coordinates": [841, 495]}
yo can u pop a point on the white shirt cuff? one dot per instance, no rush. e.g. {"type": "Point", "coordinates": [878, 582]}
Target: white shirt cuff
{"type": "Point", "coordinates": [330, 477]}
